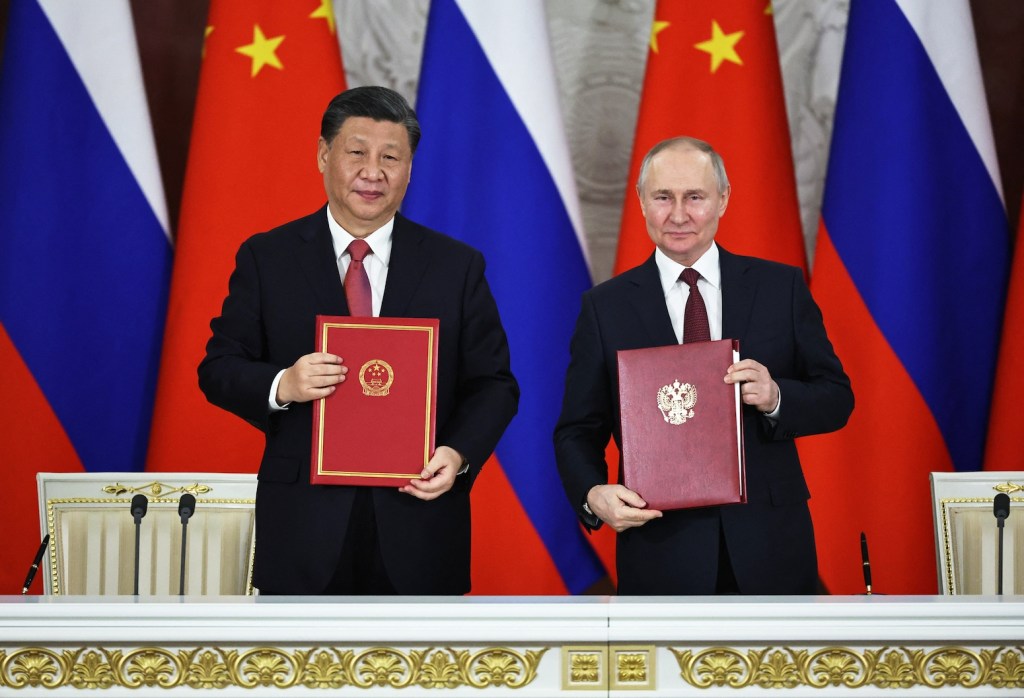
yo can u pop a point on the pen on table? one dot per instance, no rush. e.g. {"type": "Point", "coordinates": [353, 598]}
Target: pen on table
{"type": "Point", "coordinates": [35, 564]}
{"type": "Point", "coordinates": [866, 562]}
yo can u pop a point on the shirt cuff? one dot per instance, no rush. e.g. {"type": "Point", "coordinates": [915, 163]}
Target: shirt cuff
{"type": "Point", "coordinates": [272, 398]}
{"type": "Point", "coordinates": [774, 414]}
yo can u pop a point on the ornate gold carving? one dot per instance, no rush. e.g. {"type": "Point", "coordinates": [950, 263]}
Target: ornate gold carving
{"type": "Point", "coordinates": [886, 667]}
{"type": "Point", "coordinates": [157, 489]}
{"type": "Point", "coordinates": [584, 667]}
{"type": "Point", "coordinates": [319, 667]}
{"type": "Point", "coordinates": [634, 667]}
{"type": "Point", "coordinates": [1009, 487]}
{"type": "Point", "coordinates": [91, 669]}
{"type": "Point", "coordinates": [32, 666]}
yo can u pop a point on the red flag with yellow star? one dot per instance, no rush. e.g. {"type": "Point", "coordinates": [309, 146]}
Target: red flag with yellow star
{"type": "Point", "coordinates": [269, 69]}
{"type": "Point", "coordinates": [713, 73]}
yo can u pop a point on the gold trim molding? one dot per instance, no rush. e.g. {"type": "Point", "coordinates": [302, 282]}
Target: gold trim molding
{"type": "Point", "coordinates": [157, 489]}
{"type": "Point", "coordinates": [884, 667]}
{"type": "Point", "coordinates": [316, 667]}
{"type": "Point", "coordinates": [1009, 488]}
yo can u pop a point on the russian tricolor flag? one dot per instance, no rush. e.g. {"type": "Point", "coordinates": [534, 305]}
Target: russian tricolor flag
{"type": "Point", "coordinates": [493, 169]}
{"type": "Point", "coordinates": [84, 254]}
{"type": "Point", "coordinates": [910, 272]}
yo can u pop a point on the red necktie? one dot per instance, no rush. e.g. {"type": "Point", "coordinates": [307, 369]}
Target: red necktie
{"type": "Point", "coordinates": [695, 317]}
{"type": "Point", "coordinates": [357, 283]}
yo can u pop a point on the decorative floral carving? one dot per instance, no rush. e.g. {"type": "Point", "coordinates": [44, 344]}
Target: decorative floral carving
{"type": "Point", "coordinates": [585, 667]}
{"type": "Point", "coordinates": [149, 667]}
{"type": "Point", "coordinates": [207, 671]}
{"type": "Point", "coordinates": [893, 671]}
{"type": "Point", "coordinates": [632, 668]}
{"type": "Point", "coordinates": [265, 667]}
{"type": "Point", "coordinates": [886, 667]}
{"type": "Point", "coordinates": [32, 667]}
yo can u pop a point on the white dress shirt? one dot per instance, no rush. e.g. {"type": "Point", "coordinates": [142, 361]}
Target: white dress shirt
{"type": "Point", "coordinates": [677, 291]}
{"type": "Point", "coordinates": [376, 266]}
{"type": "Point", "coordinates": [710, 286]}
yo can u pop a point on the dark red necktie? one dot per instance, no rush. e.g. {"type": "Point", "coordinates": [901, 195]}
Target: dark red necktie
{"type": "Point", "coordinates": [357, 283]}
{"type": "Point", "coordinates": [695, 317]}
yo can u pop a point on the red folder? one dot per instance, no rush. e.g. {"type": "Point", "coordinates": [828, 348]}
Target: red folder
{"type": "Point", "coordinates": [682, 425]}
{"type": "Point", "coordinates": [377, 428]}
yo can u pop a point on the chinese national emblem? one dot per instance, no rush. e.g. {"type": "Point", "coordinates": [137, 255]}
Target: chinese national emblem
{"type": "Point", "coordinates": [676, 402]}
{"type": "Point", "coordinates": [376, 377]}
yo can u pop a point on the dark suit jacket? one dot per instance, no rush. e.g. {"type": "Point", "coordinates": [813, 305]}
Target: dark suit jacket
{"type": "Point", "coordinates": [282, 280]}
{"type": "Point", "coordinates": [768, 307]}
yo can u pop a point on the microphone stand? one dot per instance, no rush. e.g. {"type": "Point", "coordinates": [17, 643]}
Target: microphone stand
{"type": "Point", "coordinates": [186, 505]}
{"type": "Point", "coordinates": [999, 580]}
{"type": "Point", "coordinates": [139, 506]}
{"type": "Point", "coordinates": [1001, 509]}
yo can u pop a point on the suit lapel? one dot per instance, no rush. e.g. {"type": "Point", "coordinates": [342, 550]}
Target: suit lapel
{"type": "Point", "coordinates": [409, 260]}
{"type": "Point", "coordinates": [648, 301]}
{"type": "Point", "coordinates": [738, 292]}
{"type": "Point", "coordinates": [316, 258]}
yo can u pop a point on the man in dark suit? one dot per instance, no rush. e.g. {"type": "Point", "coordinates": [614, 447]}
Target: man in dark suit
{"type": "Point", "coordinates": [261, 365]}
{"type": "Point", "coordinates": [791, 384]}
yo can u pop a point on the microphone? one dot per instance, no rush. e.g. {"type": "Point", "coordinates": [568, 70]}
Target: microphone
{"type": "Point", "coordinates": [139, 506]}
{"type": "Point", "coordinates": [1001, 509]}
{"type": "Point", "coordinates": [186, 507]}
{"type": "Point", "coordinates": [866, 563]}
{"type": "Point", "coordinates": [35, 564]}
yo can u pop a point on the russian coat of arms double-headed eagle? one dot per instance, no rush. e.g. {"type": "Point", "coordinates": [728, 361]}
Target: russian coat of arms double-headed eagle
{"type": "Point", "coordinates": [676, 402]}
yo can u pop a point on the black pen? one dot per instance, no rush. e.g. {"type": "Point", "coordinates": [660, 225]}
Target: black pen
{"type": "Point", "coordinates": [867, 563]}
{"type": "Point", "coordinates": [35, 564]}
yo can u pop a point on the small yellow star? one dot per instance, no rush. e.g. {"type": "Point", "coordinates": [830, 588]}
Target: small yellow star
{"type": "Point", "coordinates": [768, 10]}
{"type": "Point", "coordinates": [656, 28]}
{"type": "Point", "coordinates": [325, 11]}
{"type": "Point", "coordinates": [262, 50]}
{"type": "Point", "coordinates": [721, 46]}
{"type": "Point", "coordinates": [206, 35]}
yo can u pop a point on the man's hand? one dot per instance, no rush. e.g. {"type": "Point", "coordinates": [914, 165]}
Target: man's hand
{"type": "Point", "coordinates": [312, 377]}
{"type": "Point", "coordinates": [756, 385]}
{"type": "Point", "coordinates": [619, 507]}
{"type": "Point", "coordinates": [438, 475]}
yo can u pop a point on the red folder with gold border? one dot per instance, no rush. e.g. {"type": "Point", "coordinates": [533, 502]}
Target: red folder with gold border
{"type": "Point", "coordinates": [682, 425]}
{"type": "Point", "coordinates": [378, 427]}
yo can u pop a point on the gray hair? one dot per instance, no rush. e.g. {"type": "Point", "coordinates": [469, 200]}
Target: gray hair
{"type": "Point", "coordinates": [717, 164]}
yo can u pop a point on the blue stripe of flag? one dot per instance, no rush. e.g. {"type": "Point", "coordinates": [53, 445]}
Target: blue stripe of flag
{"type": "Point", "coordinates": [917, 221]}
{"type": "Point", "coordinates": [84, 261]}
{"type": "Point", "coordinates": [479, 176]}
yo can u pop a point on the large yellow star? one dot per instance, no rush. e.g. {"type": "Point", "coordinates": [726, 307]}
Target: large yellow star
{"type": "Point", "coordinates": [656, 28]}
{"type": "Point", "coordinates": [721, 46]}
{"type": "Point", "coordinates": [262, 50]}
{"type": "Point", "coordinates": [325, 11]}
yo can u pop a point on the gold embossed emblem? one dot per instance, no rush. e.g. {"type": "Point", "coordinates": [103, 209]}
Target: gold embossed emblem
{"type": "Point", "coordinates": [376, 377]}
{"type": "Point", "coordinates": [676, 402]}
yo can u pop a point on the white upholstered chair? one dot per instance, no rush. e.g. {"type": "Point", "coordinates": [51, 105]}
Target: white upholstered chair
{"type": "Point", "coordinates": [966, 532]}
{"type": "Point", "coordinates": [92, 533]}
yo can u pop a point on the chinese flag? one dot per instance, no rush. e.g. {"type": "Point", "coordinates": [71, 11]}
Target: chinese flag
{"type": "Point", "coordinates": [713, 73]}
{"type": "Point", "coordinates": [1002, 448]}
{"type": "Point", "coordinates": [269, 70]}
